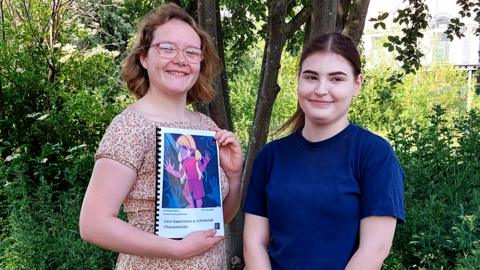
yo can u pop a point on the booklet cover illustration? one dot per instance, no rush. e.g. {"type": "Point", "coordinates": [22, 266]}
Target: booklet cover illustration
{"type": "Point", "coordinates": [188, 192]}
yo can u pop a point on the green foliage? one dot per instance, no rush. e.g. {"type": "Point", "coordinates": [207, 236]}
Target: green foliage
{"type": "Point", "coordinates": [243, 25]}
{"type": "Point", "coordinates": [441, 164]}
{"type": "Point", "coordinates": [49, 133]}
{"type": "Point", "coordinates": [42, 222]}
{"type": "Point", "coordinates": [243, 95]}
{"type": "Point", "coordinates": [286, 102]}
{"type": "Point", "coordinates": [414, 19]}
{"type": "Point", "coordinates": [380, 106]}
{"type": "Point", "coordinates": [438, 148]}
{"type": "Point", "coordinates": [106, 22]}
{"type": "Point", "coordinates": [468, 8]}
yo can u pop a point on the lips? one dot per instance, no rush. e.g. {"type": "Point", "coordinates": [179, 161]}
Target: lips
{"type": "Point", "coordinates": [176, 73]}
{"type": "Point", "coordinates": [320, 101]}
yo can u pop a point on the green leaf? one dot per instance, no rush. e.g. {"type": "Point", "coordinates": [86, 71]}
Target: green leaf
{"type": "Point", "coordinates": [383, 16]}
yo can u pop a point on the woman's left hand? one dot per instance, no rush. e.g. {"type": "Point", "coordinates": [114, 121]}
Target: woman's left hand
{"type": "Point", "coordinates": [231, 157]}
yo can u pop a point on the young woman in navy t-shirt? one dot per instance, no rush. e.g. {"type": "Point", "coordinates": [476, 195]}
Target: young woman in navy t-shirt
{"type": "Point", "coordinates": [329, 195]}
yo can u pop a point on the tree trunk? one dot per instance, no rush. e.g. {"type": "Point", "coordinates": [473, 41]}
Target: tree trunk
{"type": "Point", "coordinates": [207, 18]}
{"type": "Point", "coordinates": [267, 93]}
{"type": "Point", "coordinates": [223, 75]}
{"type": "Point", "coordinates": [343, 8]}
{"type": "Point", "coordinates": [277, 33]}
{"type": "Point", "coordinates": [177, 2]}
{"type": "Point", "coordinates": [324, 17]}
{"type": "Point", "coordinates": [308, 31]}
{"type": "Point", "coordinates": [356, 20]}
{"type": "Point", "coordinates": [3, 20]}
{"type": "Point", "coordinates": [58, 8]}
{"type": "Point", "coordinates": [190, 7]}
{"type": "Point", "coordinates": [53, 27]}
{"type": "Point", "coordinates": [1, 71]}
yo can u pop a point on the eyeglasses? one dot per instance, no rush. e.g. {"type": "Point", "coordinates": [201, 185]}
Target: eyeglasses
{"type": "Point", "coordinates": [169, 51]}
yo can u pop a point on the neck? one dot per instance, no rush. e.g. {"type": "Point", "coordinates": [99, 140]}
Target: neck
{"type": "Point", "coordinates": [159, 106]}
{"type": "Point", "coordinates": [314, 132]}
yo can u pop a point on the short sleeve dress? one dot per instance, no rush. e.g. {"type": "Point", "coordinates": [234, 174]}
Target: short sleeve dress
{"type": "Point", "coordinates": [130, 140]}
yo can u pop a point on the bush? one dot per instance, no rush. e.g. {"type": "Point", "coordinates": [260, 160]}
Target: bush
{"type": "Point", "coordinates": [42, 223]}
{"type": "Point", "coordinates": [50, 132]}
{"type": "Point", "coordinates": [442, 199]}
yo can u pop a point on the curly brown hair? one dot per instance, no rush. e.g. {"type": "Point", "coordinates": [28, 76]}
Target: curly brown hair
{"type": "Point", "coordinates": [135, 75]}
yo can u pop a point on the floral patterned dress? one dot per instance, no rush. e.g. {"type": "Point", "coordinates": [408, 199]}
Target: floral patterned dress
{"type": "Point", "coordinates": [130, 140]}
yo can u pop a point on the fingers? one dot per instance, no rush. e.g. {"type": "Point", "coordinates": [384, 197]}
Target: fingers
{"type": "Point", "coordinates": [210, 236]}
{"type": "Point", "coordinates": [210, 232]}
{"type": "Point", "coordinates": [206, 233]}
{"type": "Point", "coordinates": [225, 137]}
{"type": "Point", "coordinates": [217, 239]}
{"type": "Point", "coordinates": [199, 242]}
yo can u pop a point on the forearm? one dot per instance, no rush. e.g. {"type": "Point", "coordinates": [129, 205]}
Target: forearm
{"type": "Point", "coordinates": [370, 258]}
{"type": "Point", "coordinates": [231, 204]}
{"type": "Point", "coordinates": [256, 238]}
{"type": "Point", "coordinates": [256, 257]}
{"type": "Point", "coordinates": [114, 234]}
{"type": "Point", "coordinates": [376, 236]}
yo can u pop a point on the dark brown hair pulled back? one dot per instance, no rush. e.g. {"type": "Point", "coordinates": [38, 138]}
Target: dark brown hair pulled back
{"type": "Point", "coordinates": [330, 42]}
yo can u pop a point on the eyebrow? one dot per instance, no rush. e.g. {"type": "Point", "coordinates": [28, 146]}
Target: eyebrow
{"type": "Point", "coordinates": [176, 45]}
{"type": "Point", "coordinates": [308, 71]}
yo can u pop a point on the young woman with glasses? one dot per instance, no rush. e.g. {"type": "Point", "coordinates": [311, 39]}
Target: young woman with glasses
{"type": "Point", "coordinates": [172, 63]}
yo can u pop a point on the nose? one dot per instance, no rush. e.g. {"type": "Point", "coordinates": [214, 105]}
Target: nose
{"type": "Point", "coordinates": [180, 58]}
{"type": "Point", "coordinates": [322, 88]}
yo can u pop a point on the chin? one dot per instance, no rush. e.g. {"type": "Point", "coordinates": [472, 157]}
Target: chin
{"type": "Point", "coordinates": [179, 90]}
{"type": "Point", "coordinates": [319, 118]}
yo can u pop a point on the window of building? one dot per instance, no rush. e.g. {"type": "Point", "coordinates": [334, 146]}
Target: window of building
{"type": "Point", "coordinates": [441, 43]}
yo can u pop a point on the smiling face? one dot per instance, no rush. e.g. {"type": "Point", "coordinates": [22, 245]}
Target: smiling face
{"type": "Point", "coordinates": [326, 86]}
{"type": "Point", "coordinates": [173, 77]}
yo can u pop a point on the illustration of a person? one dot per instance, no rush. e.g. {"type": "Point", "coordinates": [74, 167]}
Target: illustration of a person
{"type": "Point", "coordinates": [191, 168]}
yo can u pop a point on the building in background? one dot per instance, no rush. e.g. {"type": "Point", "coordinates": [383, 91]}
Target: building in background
{"type": "Point", "coordinates": [438, 49]}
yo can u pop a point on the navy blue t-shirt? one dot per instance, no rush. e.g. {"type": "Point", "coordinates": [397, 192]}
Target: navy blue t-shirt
{"type": "Point", "coordinates": [315, 194]}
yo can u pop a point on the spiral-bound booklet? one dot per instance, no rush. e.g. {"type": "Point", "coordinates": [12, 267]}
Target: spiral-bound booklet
{"type": "Point", "coordinates": [188, 191]}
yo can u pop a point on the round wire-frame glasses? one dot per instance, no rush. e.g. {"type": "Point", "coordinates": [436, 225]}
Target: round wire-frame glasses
{"type": "Point", "coordinates": [169, 51]}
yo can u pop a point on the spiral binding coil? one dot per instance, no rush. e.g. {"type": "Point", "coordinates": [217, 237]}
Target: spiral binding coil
{"type": "Point", "coordinates": [158, 176]}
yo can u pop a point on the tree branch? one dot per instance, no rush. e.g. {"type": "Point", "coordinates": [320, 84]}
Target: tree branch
{"type": "Point", "coordinates": [356, 20]}
{"type": "Point", "coordinates": [177, 2]}
{"type": "Point", "coordinates": [3, 20]}
{"type": "Point", "coordinates": [343, 9]}
{"type": "Point", "coordinates": [297, 21]}
{"type": "Point", "coordinates": [27, 13]}
{"type": "Point", "coordinates": [14, 11]}
{"type": "Point", "coordinates": [291, 5]}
